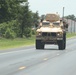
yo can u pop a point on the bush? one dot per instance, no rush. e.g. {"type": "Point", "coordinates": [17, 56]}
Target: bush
{"type": "Point", "coordinates": [9, 34]}
{"type": "Point", "coordinates": [33, 32]}
{"type": "Point", "coordinates": [3, 27]}
{"type": "Point", "coordinates": [28, 32]}
{"type": "Point", "coordinates": [11, 28]}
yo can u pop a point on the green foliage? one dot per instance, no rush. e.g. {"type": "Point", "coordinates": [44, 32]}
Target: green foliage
{"type": "Point", "coordinates": [35, 19]}
{"type": "Point", "coordinates": [9, 9]}
{"type": "Point", "coordinates": [42, 17]}
{"type": "Point", "coordinates": [72, 17]}
{"type": "Point", "coordinates": [33, 32]}
{"type": "Point", "coordinates": [9, 34]}
{"type": "Point", "coordinates": [25, 19]}
{"type": "Point", "coordinates": [3, 28]}
{"type": "Point", "coordinates": [28, 32]}
{"type": "Point", "coordinates": [16, 18]}
{"type": "Point", "coordinates": [8, 28]}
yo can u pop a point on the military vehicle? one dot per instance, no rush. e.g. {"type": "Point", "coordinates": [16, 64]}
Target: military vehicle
{"type": "Point", "coordinates": [51, 31]}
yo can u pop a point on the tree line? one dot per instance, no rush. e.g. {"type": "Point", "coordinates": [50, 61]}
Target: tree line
{"type": "Point", "coordinates": [72, 17]}
{"type": "Point", "coordinates": [16, 19]}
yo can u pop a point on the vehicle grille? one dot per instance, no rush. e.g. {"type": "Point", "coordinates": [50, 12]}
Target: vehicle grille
{"type": "Point", "coordinates": [49, 34]}
{"type": "Point", "coordinates": [53, 34]}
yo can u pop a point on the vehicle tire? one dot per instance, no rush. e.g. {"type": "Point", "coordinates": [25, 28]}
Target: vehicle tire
{"type": "Point", "coordinates": [39, 44]}
{"type": "Point", "coordinates": [61, 44]}
{"type": "Point", "coordinates": [64, 38]}
{"type": "Point", "coordinates": [42, 46]}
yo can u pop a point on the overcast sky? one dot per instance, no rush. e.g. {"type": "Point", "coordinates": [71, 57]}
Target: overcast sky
{"type": "Point", "coordinates": [52, 6]}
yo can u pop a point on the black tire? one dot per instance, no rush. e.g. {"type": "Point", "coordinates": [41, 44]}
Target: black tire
{"type": "Point", "coordinates": [39, 44]}
{"type": "Point", "coordinates": [64, 38]}
{"type": "Point", "coordinates": [61, 44]}
{"type": "Point", "coordinates": [42, 46]}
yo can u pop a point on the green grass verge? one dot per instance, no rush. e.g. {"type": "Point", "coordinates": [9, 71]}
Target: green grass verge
{"type": "Point", "coordinates": [69, 35]}
{"type": "Point", "coordinates": [20, 42]}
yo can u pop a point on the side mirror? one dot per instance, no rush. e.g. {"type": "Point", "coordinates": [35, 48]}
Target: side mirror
{"type": "Point", "coordinates": [62, 27]}
{"type": "Point", "coordinates": [66, 25]}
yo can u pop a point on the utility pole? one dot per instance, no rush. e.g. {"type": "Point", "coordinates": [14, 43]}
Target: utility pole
{"type": "Point", "coordinates": [63, 14]}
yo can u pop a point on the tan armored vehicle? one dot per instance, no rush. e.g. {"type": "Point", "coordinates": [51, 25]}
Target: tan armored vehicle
{"type": "Point", "coordinates": [51, 31]}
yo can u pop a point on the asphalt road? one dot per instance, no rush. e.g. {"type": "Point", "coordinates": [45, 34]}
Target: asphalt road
{"type": "Point", "coordinates": [50, 61]}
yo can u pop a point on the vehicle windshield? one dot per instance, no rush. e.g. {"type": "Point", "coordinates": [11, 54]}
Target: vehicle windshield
{"type": "Point", "coordinates": [56, 23]}
{"type": "Point", "coordinates": [46, 23]}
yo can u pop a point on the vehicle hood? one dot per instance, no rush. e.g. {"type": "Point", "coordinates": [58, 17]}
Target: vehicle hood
{"type": "Point", "coordinates": [49, 29]}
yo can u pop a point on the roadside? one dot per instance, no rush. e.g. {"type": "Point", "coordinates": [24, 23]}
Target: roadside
{"type": "Point", "coordinates": [17, 49]}
{"type": "Point", "coordinates": [20, 44]}
{"type": "Point", "coordinates": [16, 43]}
{"type": "Point", "coordinates": [70, 35]}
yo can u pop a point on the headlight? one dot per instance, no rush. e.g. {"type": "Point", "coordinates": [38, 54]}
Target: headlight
{"type": "Point", "coordinates": [59, 34]}
{"type": "Point", "coordinates": [39, 33]}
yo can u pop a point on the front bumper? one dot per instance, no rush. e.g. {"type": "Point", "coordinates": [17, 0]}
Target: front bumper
{"type": "Point", "coordinates": [49, 40]}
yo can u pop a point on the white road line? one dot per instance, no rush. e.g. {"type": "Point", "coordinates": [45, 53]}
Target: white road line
{"type": "Point", "coordinates": [14, 52]}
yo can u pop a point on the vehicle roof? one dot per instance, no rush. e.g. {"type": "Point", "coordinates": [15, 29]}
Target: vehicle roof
{"type": "Point", "coordinates": [52, 17]}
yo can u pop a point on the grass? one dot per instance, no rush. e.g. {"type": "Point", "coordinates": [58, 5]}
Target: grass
{"type": "Point", "coordinates": [20, 42]}
{"type": "Point", "coordinates": [69, 35]}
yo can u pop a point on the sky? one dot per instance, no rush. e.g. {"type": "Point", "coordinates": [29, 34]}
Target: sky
{"type": "Point", "coordinates": [53, 6]}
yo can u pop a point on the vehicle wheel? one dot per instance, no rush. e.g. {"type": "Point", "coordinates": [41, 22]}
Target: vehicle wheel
{"type": "Point", "coordinates": [61, 44]}
{"type": "Point", "coordinates": [42, 46]}
{"type": "Point", "coordinates": [64, 38]}
{"type": "Point", "coordinates": [39, 44]}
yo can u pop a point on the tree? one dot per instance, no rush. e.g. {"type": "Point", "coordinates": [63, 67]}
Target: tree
{"type": "Point", "coordinates": [25, 19]}
{"type": "Point", "coordinates": [35, 18]}
{"type": "Point", "coordinates": [15, 15]}
{"type": "Point", "coordinates": [9, 9]}
{"type": "Point", "coordinates": [72, 17]}
{"type": "Point", "coordinates": [42, 17]}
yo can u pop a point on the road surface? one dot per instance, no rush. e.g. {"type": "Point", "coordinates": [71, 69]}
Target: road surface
{"type": "Point", "coordinates": [50, 61]}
